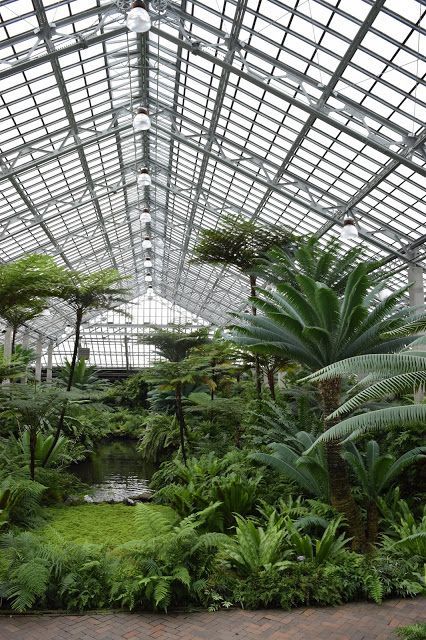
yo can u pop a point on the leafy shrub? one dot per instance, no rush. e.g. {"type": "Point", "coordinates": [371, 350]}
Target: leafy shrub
{"type": "Point", "coordinates": [413, 632]}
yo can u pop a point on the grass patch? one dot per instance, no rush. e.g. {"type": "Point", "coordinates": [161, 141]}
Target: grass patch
{"type": "Point", "coordinates": [413, 632]}
{"type": "Point", "coordinates": [110, 524]}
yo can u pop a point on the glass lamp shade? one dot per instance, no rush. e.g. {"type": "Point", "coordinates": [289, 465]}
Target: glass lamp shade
{"type": "Point", "coordinates": [150, 291]}
{"type": "Point", "coordinates": [148, 277]}
{"type": "Point", "coordinates": [145, 217]}
{"type": "Point", "coordinates": [141, 121]}
{"type": "Point", "coordinates": [138, 19]}
{"type": "Point", "coordinates": [146, 243]}
{"type": "Point", "coordinates": [144, 179]}
{"type": "Point", "coordinates": [349, 230]}
{"type": "Point", "coordinates": [148, 263]}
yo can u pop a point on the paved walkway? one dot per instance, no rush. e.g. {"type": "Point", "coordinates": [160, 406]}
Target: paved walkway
{"type": "Point", "coordinates": [357, 621]}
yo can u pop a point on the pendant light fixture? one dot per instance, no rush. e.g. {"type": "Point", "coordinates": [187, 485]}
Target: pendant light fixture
{"type": "Point", "coordinates": [138, 19]}
{"type": "Point", "coordinates": [148, 277]}
{"type": "Point", "coordinates": [148, 263]}
{"type": "Point", "coordinates": [145, 217]}
{"type": "Point", "coordinates": [349, 230]}
{"type": "Point", "coordinates": [144, 179]}
{"type": "Point", "coordinates": [146, 243]}
{"type": "Point", "coordinates": [150, 291]}
{"type": "Point", "coordinates": [141, 121]}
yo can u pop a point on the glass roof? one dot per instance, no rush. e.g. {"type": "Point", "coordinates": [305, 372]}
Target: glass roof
{"type": "Point", "coordinates": [294, 113]}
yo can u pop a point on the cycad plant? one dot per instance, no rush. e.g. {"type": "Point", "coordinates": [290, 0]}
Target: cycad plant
{"type": "Point", "coordinates": [315, 326]}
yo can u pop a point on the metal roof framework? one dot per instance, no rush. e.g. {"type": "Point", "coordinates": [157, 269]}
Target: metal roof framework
{"type": "Point", "coordinates": [293, 113]}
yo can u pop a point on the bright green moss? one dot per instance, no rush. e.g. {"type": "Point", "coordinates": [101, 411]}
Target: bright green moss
{"type": "Point", "coordinates": [109, 524]}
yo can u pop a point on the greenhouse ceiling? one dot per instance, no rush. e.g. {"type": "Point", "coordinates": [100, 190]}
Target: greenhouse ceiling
{"type": "Point", "coordinates": [294, 113]}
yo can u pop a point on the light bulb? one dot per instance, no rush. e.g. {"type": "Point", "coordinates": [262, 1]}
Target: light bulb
{"type": "Point", "coordinates": [349, 230]}
{"type": "Point", "coordinates": [148, 277]}
{"type": "Point", "coordinates": [145, 217]}
{"type": "Point", "coordinates": [138, 19]}
{"type": "Point", "coordinates": [141, 121]}
{"type": "Point", "coordinates": [146, 243]}
{"type": "Point", "coordinates": [150, 291]}
{"type": "Point", "coordinates": [148, 263]}
{"type": "Point", "coordinates": [144, 179]}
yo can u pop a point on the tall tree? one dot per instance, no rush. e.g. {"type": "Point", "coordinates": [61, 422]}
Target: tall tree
{"type": "Point", "coordinates": [314, 326]}
{"type": "Point", "coordinates": [175, 342]}
{"type": "Point", "coordinates": [101, 290]}
{"type": "Point", "coordinates": [240, 243]}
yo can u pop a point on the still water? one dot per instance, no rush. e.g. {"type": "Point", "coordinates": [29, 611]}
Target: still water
{"type": "Point", "coordinates": [114, 471]}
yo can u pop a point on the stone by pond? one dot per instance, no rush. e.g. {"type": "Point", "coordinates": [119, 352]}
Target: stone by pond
{"type": "Point", "coordinates": [115, 472]}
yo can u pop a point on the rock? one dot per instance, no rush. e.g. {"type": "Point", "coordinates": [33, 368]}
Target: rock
{"type": "Point", "coordinates": [88, 499]}
{"type": "Point", "coordinates": [145, 496]}
{"type": "Point", "coordinates": [73, 500]}
{"type": "Point", "coordinates": [130, 502]}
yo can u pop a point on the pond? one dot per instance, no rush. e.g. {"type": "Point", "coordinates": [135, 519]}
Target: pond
{"type": "Point", "coordinates": [115, 471]}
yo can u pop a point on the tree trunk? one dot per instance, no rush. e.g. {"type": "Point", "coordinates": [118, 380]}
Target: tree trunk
{"type": "Point", "coordinates": [258, 373]}
{"type": "Point", "coordinates": [33, 444]}
{"type": "Point", "coordinates": [340, 488]}
{"type": "Point", "coordinates": [14, 331]}
{"type": "Point", "coordinates": [181, 420]}
{"type": "Point", "coordinates": [79, 318]}
{"type": "Point", "coordinates": [372, 523]}
{"type": "Point", "coordinates": [271, 382]}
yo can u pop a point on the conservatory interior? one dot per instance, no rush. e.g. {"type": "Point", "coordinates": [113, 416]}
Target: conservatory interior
{"type": "Point", "coordinates": [212, 306]}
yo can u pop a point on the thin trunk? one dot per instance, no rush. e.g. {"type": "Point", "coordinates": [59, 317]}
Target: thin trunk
{"type": "Point", "coordinates": [14, 331]}
{"type": "Point", "coordinates": [271, 382]}
{"type": "Point", "coordinates": [181, 420]}
{"type": "Point", "coordinates": [340, 488]}
{"type": "Point", "coordinates": [33, 444]}
{"type": "Point", "coordinates": [258, 373]}
{"type": "Point", "coordinates": [372, 522]}
{"type": "Point", "coordinates": [61, 420]}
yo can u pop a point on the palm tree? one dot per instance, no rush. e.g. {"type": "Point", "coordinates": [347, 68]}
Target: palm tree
{"type": "Point", "coordinates": [84, 377]}
{"type": "Point", "coordinates": [101, 290]}
{"type": "Point", "coordinates": [314, 326]}
{"type": "Point", "coordinates": [240, 243]}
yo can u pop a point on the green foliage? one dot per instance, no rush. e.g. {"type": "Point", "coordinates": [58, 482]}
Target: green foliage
{"type": "Point", "coordinates": [238, 242]}
{"type": "Point", "coordinates": [175, 342]}
{"type": "Point", "coordinates": [413, 631]}
{"type": "Point", "coordinates": [160, 437]}
{"type": "Point", "coordinates": [83, 378]}
{"type": "Point", "coordinates": [326, 549]}
{"type": "Point", "coordinates": [20, 501]}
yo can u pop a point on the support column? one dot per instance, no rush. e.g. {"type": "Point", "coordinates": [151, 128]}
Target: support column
{"type": "Point", "coordinates": [7, 352]}
{"type": "Point", "coordinates": [39, 349]}
{"type": "Point", "coordinates": [417, 299]}
{"type": "Point", "coordinates": [281, 380]}
{"type": "Point", "coordinates": [25, 341]}
{"type": "Point", "coordinates": [49, 375]}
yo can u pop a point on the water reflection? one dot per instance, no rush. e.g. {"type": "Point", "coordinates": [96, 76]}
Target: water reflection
{"type": "Point", "coordinates": [115, 471]}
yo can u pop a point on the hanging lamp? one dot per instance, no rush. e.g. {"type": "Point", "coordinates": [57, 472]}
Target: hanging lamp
{"type": "Point", "coordinates": [138, 19]}
{"type": "Point", "coordinates": [141, 121]}
{"type": "Point", "coordinates": [148, 263]}
{"type": "Point", "coordinates": [144, 179]}
{"type": "Point", "coordinates": [349, 230]}
{"type": "Point", "coordinates": [145, 217]}
{"type": "Point", "coordinates": [148, 277]}
{"type": "Point", "coordinates": [146, 243]}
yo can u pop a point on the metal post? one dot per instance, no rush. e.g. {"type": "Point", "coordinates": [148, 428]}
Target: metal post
{"type": "Point", "coordinates": [49, 375]}
{"type": "Point", "coordinates": [39, 349]}
{"type": "Point", "coordinates": [7, 349]}
{"type": "Point", "coordinates": [25, 341]}
{"type": "Point", "coordinates": [417, 299]}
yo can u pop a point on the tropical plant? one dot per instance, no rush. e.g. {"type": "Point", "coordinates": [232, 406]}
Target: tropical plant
{"type": "Point", "coordinates": [375, 473]}
{"type": "Point", "coordinates": [316, 327]}
{"type": "Point", "coordinates": [20, 501]}
{"type": "Point", "coordinates": [175, 342]}
{"type": "Point", "coordinates": [84, 377]}
{"type": "Point", "coordinates": [413, 631]}
{"type": "Point", "coordinates": [83, 293]}
{"type": "Point", "coordinates": [256, 548]}
{"type": "Point", "coordinates": [240, 243]}
{"type": "Point", "coordinates": [310, 472]}
{"type": "Point", "coordinates": [160, 437]}
{"type": "Point", "coordinates": [328, 548]}
{"type": "Point", "coordinates": [386, 375]}
{"type": "Point", "coordinates": [172, 376]}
